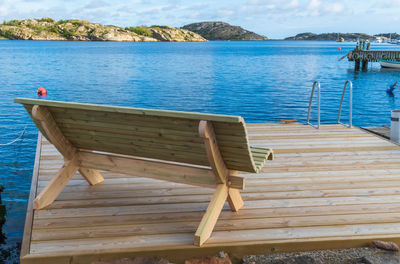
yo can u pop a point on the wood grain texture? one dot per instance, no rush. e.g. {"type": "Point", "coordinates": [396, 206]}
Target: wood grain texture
{"type": "Point", "coordinates": [57, 184]}
{"type": "Point", "coordinates": [26, 241]}
{"type": "Point", "coordinates": [130, 110]}
{"type": "Point", "coordinates": [215, 159]}
{"type": "Point", "coordinates": [210, 218]}
{"type": "Point", "coordinates": [149, 133]}
{"type": "Point", "coordinates": [53, 132]}
{"type": "Point", "coordinates": [329, 188]}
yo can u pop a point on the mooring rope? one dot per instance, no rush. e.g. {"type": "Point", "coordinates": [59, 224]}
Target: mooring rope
{"type": "Point", "coordinates": [15, 140]}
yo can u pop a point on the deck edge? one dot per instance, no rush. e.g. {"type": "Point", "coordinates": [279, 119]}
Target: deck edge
{"type": "Point", "coordinates": [378, 136]}
{"type": "Point", "coordinates": [236, 252]}
{"type": "Point", "coordinates": [26, 240]}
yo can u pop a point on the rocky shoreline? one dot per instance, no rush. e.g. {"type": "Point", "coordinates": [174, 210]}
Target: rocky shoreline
{"type": "Point", "coordinates": [346, 36]}
{"type": "Point", "coordinates": [82, 30]}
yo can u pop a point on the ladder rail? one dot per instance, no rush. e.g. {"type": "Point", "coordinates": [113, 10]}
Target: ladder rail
{"type": "Point", "coordinates": [318, 85]}
{"type": "Point", "coordinates": [350, 124]}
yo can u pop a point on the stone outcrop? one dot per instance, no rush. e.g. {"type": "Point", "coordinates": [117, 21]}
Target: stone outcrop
{"type": "Point", "coordinates": [82, 30]}
{"type": "Point", "coordinates": [335, 36]}
{"type": "Point", "coordinates": [166, 33]}
{"type": "Point", "coordinates": [222, 31]}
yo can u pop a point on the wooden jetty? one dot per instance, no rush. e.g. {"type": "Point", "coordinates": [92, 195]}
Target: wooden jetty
{"type": "Point", "coordinates": [383, 131]}
{"type": "Point", "coordinates": [362, 54]}
{"type": "Point", "coordinates": [333, 187]}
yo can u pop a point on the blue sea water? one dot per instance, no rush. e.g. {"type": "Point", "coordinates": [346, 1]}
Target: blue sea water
{"type": "Point", "coordinates": [263, 81]}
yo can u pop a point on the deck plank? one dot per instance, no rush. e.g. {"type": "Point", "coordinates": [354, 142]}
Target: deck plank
{"type": "Point", "coordinates": [327, 188]}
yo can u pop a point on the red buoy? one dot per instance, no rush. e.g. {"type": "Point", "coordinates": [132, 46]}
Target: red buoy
{"type": "Point", "coordinates": [339, 49]}
{"type": "Point", "coordinates": [42, 91]}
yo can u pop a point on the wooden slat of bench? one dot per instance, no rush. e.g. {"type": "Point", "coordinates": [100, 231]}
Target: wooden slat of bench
{"type": "Point", "coordinates": [108, 130]}
{"type": "Point", "coordinates": [130, 110]}
{"type": "Point", "coordinates": [152, 169]}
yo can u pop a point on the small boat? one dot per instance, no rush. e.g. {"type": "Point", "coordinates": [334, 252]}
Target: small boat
{"type": "Point", "coordinates": [390, 64]}
{"type": "Point", "coordinates": [395, 41]}
{"type": "Point", "coordinates": [340, 40]}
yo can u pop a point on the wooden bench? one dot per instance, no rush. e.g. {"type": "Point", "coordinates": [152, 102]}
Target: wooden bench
{"type": "Point", "coordinates": [204, 150]}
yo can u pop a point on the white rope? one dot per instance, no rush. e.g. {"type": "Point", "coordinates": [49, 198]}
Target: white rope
{"type": "Point", "coordinates": [15, 140]}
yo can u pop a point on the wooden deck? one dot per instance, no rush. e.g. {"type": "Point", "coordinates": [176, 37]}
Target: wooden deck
{"type": "Point", "coordinates": [330, 188]}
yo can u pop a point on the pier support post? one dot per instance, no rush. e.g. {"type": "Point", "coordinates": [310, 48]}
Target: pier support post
{"type": "Point", "coordinates": [364, 66]}
{"type": "Point", "coordinates": [357, 65]}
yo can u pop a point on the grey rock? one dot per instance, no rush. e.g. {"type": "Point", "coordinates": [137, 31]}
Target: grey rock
{"type": "Point", "coordinates": [222, 31]}
{"type": "Point", "coordinates": [332, 36]}
{"type": "Point", "coordinates": [345, 256]}
{"type": "Point", "coordinates": [379, 259]}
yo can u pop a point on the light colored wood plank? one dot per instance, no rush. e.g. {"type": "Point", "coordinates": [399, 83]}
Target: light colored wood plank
{"type": "Point", "coordinates": [92, 176]}
{"type": "Point", "coordinates": [209, 219]}
{"type": "Point", "coordinates": [169, 241]}
{"type": "Point", "coordinates": [52, 131]}
{"type": "Point", "coordinates": [56, 185]}
{"type": "Point", "coordinates": [217, 164]}
{"type": "Point", "coordinates": [245, 213]}
{"type": "Point", "coordinates": [195, 206]}
{"type": "Point", "coordinates": [153, 169]}
{"type": "Point", "coordinates": [62, 144]}
{"type": "Point", "coordinates": [235, 199]}
{"type": "Point", "coordinates": [26, 240]}
{"type": "Point", "coordinates": [301, 201]}
{"type": "Point", "coordinates": [130, 110]}
{"type": "Point", "coordinates": [186, 225]}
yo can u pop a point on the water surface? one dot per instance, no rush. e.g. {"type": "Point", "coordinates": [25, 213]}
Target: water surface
{"type": "Point", "coordinates": [263, 81]}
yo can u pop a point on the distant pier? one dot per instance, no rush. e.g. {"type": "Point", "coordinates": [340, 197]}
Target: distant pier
{"type": "Point", "coordinates": [362, 54]}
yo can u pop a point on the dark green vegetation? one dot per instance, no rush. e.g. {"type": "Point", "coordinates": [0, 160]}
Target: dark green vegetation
{"type": "Point", "coordinates": [222, 31]}
{"type": "Point", "coordinates": [141, 30]}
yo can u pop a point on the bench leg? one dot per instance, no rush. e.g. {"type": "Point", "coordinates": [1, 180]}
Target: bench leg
{"type": "Point", "coordinates": [92, 176]}
{"type": "Point", "coordinates": [235, 199]}
{"type": "Point", "coordinates": [211, 216]}
{"type": "Point", "coordinates": [56, 185]}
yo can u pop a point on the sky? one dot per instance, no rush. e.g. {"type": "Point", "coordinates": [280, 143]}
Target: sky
{"type": "Point", "coordinates": [272, 18]}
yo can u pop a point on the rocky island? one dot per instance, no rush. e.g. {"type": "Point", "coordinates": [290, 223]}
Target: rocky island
{"type": "Point", "coordinates": [82, 30]}
{"type": "Point", "coordinates": [345, 36]}
{"type": "Point", "coordinates": [222, 31]}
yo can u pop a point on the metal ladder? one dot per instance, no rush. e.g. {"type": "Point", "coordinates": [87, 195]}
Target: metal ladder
{"type": "Point", "coordinates": [318, 85]}
{"type": "Point", "coordinates": [350, 124]}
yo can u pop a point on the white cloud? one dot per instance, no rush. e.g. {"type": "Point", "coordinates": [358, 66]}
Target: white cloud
{"type": "Point", "coordinates": [226, 12]}
{"type": "Point", "coordinates": [334, 8]}
{"type": "Point", "coordinates": [313, 4]}
{"type": "Point", "coordinates": [292, 4]}
{"type": "Point", "coordinates": [386, 4]}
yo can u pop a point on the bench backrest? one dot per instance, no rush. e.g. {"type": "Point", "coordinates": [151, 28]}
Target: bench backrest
{"type": "Point", "coordinates": [157, 134]}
